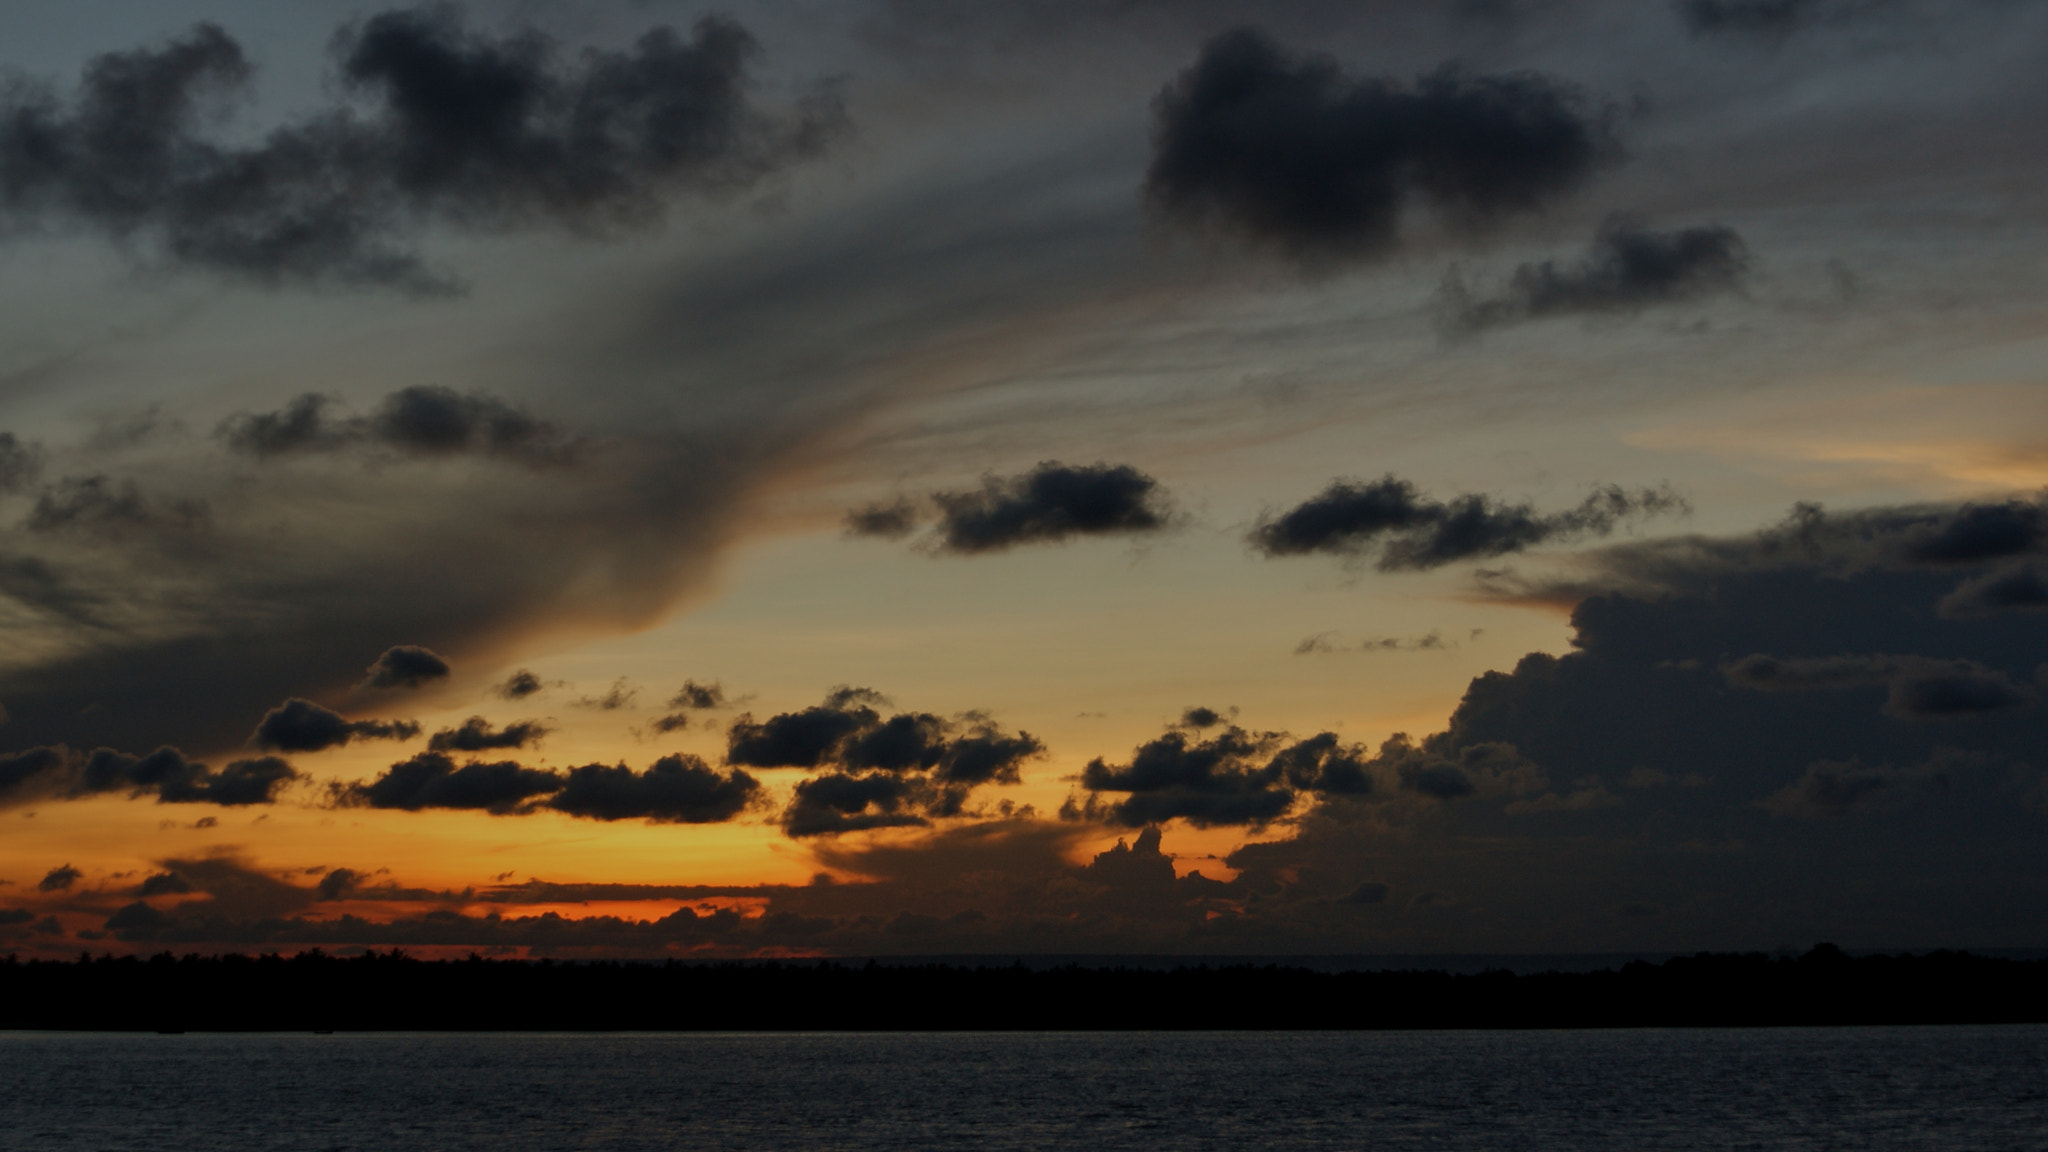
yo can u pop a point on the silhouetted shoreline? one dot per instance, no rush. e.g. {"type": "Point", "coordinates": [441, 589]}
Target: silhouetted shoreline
{"type": "Point", "coordinates": [391, 991]}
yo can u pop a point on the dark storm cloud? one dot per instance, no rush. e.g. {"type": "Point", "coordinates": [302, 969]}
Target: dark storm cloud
{"type": "Point", "coordinates": [674, 789]}
{"type": "Point", "coordinates": [432, 780]}
{"type": "Point", "coordinates": [439, 123]}
{"type": "Point", "coordinates": [59, 879]}
{"type": "Point", "coordinates": [1979, 532]}
{"type": "Point", "coordinates": [1050, 503]}
{"type": "Point", "coordinates": [1289, 151]}
{"type": "Point", "coordinates": [405, 666]}
{"type": "Point", "coordinates": [421, 421]}
{"type": "Point", "coordinates": [477, 735]}
{"type": "Point", "coordinates": [1920, 688]}
{"type": "Point", "coordinates": [2019, 588]}
{"type": "Point", "coordinates": [1409, 531]}
{"type": "Point", "coordinates": [302, 726]}
{"type": "Point", "coordinates": [1628, 268]}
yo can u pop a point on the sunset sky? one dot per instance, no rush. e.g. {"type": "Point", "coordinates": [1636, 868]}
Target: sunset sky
{"type": "Point", "coordinates": [793, 478]}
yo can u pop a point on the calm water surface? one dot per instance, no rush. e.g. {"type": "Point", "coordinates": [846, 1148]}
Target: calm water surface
{"type": "Point", "coordinates": [1777, 1089]}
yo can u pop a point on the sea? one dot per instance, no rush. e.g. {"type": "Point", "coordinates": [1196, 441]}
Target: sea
{"type": "Point", "coordinates": [1637, 1090]}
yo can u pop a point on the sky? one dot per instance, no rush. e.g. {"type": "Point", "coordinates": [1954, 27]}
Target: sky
{"type": "Point", "coordinates": [1063, 477]}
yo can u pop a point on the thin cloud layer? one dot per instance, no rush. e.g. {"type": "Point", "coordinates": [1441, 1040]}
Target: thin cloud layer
{"type": "Point", "coordinates": [1401, 529]}
{"type": "Point", "coordinates": [439, 123]}
{"type": "Point", "coordinates": [1290, 152]}
{"type": "Point", "coordinates": [1628, 267]}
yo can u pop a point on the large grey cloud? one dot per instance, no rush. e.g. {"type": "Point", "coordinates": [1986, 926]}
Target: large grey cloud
{"type": "Point", "coordinates": [438, 123]}
{"type": "Point", "coordinates": [1289, 151]}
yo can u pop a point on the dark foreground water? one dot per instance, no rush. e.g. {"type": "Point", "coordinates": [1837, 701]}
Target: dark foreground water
{"type": "Point", "coordinates": [1778, 1089]}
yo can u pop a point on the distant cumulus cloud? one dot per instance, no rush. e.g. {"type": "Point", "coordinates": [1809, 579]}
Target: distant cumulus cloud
{"type": "Point", "coordinates": [1390, 520]}
{"type": "Point", "coordinates": [1290, 152]}
{"type": "Point", "coordinates": [406, 666]}
{"type": "Point", "coordinates": [519, 685]}
{"type": "Point", "coordinates": [1629, 267]}
{"type": "Point", "coordinates": [1050, 503]}
{"type": "Point", "coordinates": [439, 123]}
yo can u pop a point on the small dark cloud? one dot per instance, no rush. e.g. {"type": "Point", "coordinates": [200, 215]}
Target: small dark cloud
{"type": "Point", "coordinates": [237, 784]}
{"type": "Point", "coordinates": [619, 695]}
{"type": "Point", "coordinates": [699, 697]}
{"type": "Point", "coordinates": [839, 802]}
{"type": "Point", "coordinates": [477, 735]}
{"type": "Point", "coordinates": [673, 722]}
{"type": "Point", "coordinates": [338, 884]}
{"type": "Point", "coordinates": [405, 666]}
{"type": "Point", "coordinates": [674, 789]}
{"type": "Point", "coordinates": [440, 124]}
{"type": "Point", "coordinates": [1052, 502]}
{"type": "Point", "coordinates": [1199, 718]}
{"type": "Point", "coordinates": [422, 422]}
{"type": "Point", "coordinates": [1629, 267]}
{"type": "Point", "coordinates": [519, 686]}
{"type": "Point", "coordinates": [164, 884]}
{"type": "Point", "coordinates": [1920, 688]}
{"type": "Point", "coordinates": [1327, 642]}
{"type": "Point", "coordinates": [2019, 588]}
{"type": "Point", "coordinates": [59, 879]}
{"type": "Point", "coordinates": [803, 739]}
{"type": "Point", "coordinates": [1207, 782]}
{"type": "Point", "coordinates": [1290, 152]}
{"type": "Point", "coordinates": [11, 917]}
{"type": "Point", "coordinates": [300, 725]}
{"type": "Point", "coordinates": [432, 780]}
{"type": "Point", "coordinates": [1408, 531]}
{"type": "Point", "coordinates": [888, 521]}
